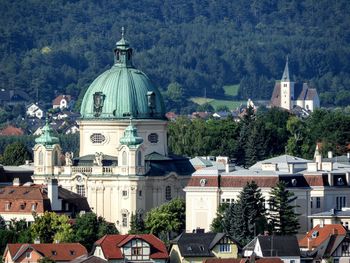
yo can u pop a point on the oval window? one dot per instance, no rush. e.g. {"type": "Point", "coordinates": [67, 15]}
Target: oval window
{"type": "Point", "coordinates": [97, 138]}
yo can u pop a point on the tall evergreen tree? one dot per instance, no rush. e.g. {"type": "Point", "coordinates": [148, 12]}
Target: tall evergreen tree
{"type": "Point", "coordinates": [283, 220]}
{"type": "Point", "coordinates": [137, 225]}
{"type": "Point", "coordinates": [217, 226]}
{"type": "Point", "coordinates": [247, 216]}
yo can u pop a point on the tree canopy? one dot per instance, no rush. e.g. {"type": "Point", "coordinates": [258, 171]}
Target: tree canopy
{"type": "Point", "coordinates": [89, 227]}
{"type": "Point", "coordinates": [201, 45]}
{"type": "Point", "coordinates": [166, 219]}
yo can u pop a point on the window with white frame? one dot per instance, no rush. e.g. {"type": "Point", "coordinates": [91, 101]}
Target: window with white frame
{"type": "Point", "coordinates": [81, 190]}
{"type": "Point", "coordinates": [124, 219]}
{"type": "Point", "coordinates": [318, 202]}
{"type": "Point", "coordinates": [225, 245]}
{"type": "Point", "coordinates": [340, 202]}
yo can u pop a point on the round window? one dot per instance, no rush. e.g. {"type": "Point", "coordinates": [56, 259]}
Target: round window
{"type": "Point", "coordinates": [97, 138]}
{"type": "Point", "coordinates": [153, 138]}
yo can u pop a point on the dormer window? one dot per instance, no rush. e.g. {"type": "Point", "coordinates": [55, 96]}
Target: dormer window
{"type": "Point", "coordinates": [8, 206]}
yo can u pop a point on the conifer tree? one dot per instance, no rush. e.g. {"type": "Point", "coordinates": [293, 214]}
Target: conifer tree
{"type": "Point", "coordinates": [282, 218]}
{"type": "Point", "coordinates": [246, 218]}
{"type": "Point", "coordinates": [137, 225]}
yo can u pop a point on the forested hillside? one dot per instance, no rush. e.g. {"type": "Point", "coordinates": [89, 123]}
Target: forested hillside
{"type": "Point", "coordinates": [60, 46]}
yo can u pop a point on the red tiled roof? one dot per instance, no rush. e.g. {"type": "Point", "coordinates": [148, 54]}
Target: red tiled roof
{"type": "Point", "coordinates": [323, 233]}
{"type": "Point", "coordinates": [260, 180]}
{"type": "Point", "coordinates": [57, 100]}
{"type": "Point", "coordinates": [22, 198]}
{"type": "Point", "coordinates": [57, 252]}
{"type": "Point", "coordinates": [11, 130]}
{"type": "Point", "coordinates": [212, 181]}
{"type": "Point", "coordinates": [241, 181]}
{"type": "Point", "coordinates": [111, 245]}
{"type": "Point", "coordinates": [243, 260]}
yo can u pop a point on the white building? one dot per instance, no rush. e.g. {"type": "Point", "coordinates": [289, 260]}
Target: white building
{"type": "Point", "coordinates": [123, 166]}
{"type": "Point", "coordinates": [34, 111]}
{"type": "Point", "coordinates": [288, 94]}
{"type": "Point", "coordinates": [319, 186]}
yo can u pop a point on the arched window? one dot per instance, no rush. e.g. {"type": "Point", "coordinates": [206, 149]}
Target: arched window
{"type": "Point", "coordinates": [139, 159]}
{"type": "Point", "coordinates": [41, 158]}
{"type": "Point", "coordinates": [124, 158]}
{"type": "Point", "coordinates": [168, 193]}
{"type": "Point", "coordinates": [55, 158]}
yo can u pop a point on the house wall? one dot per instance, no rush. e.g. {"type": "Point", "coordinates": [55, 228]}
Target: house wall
{"type": "Point", "coordinates": [232, 254]}
{"type": "Point", "coordinates": [201, 207]}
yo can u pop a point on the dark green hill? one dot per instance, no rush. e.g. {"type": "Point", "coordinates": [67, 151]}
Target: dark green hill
{"type": "Point", "coordinates": [59, 46]}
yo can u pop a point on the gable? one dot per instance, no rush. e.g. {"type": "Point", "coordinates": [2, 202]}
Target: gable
{"type": "Point", "coordinates": [136, 249]}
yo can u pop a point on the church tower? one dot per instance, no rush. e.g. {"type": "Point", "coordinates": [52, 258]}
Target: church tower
{"type": "Point", "coordinates": [287, 89]}
{"type": "Point", "coordinates": [47, 152]}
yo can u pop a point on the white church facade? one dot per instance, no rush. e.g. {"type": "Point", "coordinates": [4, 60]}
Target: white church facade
{"type": "Point", "coordinates": [123, 165]}
{"type": "Point", "coordinates": [288, 94]}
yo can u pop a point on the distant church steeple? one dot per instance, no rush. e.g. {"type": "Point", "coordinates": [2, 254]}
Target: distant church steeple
{"type": "Point", "coordinates": [287, 89]}
{"type": "Point", "coordinates": [285, 76]}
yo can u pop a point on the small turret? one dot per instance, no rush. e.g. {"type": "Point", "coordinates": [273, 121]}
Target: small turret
{"type": "Point", "coordinates": [131, 157]}
{"type": "Point", "coordinates": [47, 152]}
{"type": "Point", "coordinates": [130, 138]}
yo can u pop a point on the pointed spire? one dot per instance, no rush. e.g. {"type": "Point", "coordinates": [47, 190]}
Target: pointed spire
{"type": "Point", "coordinates": [47, 138]}
{"type": "Point", "coordinates": [131, 138]}
{"type": "Point", "coordinates": [285, 76]}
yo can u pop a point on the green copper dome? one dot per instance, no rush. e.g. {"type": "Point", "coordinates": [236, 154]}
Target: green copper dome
{"type": "Point", "coordinates": [47, 138]}
{"type": "Point", "coordinates": [122, 91]}
{"type": "Point", "coordinates": [130, 138]}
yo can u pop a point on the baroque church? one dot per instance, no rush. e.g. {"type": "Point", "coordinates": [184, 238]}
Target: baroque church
{"type": "Point", "coordinates": [123, 166]}
{"type": "Point", "coordinates": [290, 95]}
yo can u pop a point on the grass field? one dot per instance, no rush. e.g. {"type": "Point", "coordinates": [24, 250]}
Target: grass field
{"type": "Point", "coordinates": [231, 104]}
{"type": "Point", "coordinates": [230, 91]}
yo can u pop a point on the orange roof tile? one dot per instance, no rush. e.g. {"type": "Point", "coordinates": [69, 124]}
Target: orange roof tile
{"type": "Point", "coordinates": [322, 234]}
{"type": "Point", "coordinates": [111, 245]}
{"type": "Point", "coordinates": [57, 100]}
{"type": "Point", "coordinates": [57, 252]}
{"type": "Point", "coordinates": [11, 131]}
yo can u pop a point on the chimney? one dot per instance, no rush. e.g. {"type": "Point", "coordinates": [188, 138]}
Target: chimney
{"type": "Point", "coordinates": [318, 160]}
{"type": "Point", "coordinates": [321, 224]}
{"type": "Point", "coordinates": [335, 231]}
{"type": "Point", "coordinates": [330, 154]}
{"type": "Point", "coordinates": [52, 193]}
{"type": "Point", "coordinates": [309, 245]}
{"type": "Point", "coordinates": [348, 155]}
{"type": "Point", "coordinates": [15, 181]}
{"type": "Point", "coordinates": [27, 162]}
{"type": "Point", "coordinates": [291, 168]}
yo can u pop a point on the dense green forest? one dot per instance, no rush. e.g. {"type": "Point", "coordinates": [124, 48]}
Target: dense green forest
{"type": "Point", "coordinates": [60, 46]}
{"type": "Point", "coordinates": [262, 134]}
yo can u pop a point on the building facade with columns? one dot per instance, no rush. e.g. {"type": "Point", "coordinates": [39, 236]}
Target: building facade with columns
{"type": "Point", "coordinates": [124, 166]}
{"type": "Point", "coordinates": [318, 185]}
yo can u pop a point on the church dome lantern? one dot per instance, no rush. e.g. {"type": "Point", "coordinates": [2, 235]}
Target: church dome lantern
{"type": "Point", "coordinates": [123, 91]}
